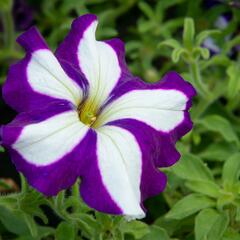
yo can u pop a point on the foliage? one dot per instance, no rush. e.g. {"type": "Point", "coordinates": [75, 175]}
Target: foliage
{"type": "Point", "coordinates": [202, 199]}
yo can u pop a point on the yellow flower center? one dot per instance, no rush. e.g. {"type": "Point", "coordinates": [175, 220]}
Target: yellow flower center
{"type": "Point", "coordinates": [88, 113]}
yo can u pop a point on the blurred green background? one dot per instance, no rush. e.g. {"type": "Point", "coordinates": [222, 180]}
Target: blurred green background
{"type": "Point", "coordinates": [199, 39]}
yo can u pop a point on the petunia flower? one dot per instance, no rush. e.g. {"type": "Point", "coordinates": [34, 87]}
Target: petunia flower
{"type": "Point", "coordinates": [83, 114]}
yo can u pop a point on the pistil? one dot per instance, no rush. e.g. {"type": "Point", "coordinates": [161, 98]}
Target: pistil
{"type": "Point", "coordinates": [87, 114]}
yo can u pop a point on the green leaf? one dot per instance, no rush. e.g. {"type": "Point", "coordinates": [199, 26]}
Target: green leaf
{"type": "Point", "coordinates": [172, 225]}
{"type": "Point", "coordinates": [6, 5]}
{"type": "Point", "coordinates": [65, 231]}
{"type": "Point", "coordinates": [199, 51]}
{"type": "Point", "coordinates": [218, 151]}
{"type": "Point", "coordinates": [226, 198]}
{"type": "Point", "coordinates": [136, 228]}
{"type": "Point", "coordinates": [107, 32]}
{"type": "Point", "coordinates": [231, 43]}
{"type": "Point", "coordinates": [204, 222]}
{"type": "Point", "coordinates": [221, 125]}
{"type": "Point", "coordinates": [13, 221]}
{"type": "Point", "coordinates": [231, 234]}
{"type": "Point", "coordinates": [170, 43]}
{"type": "Point", "coordinates": [146, 9]}
{"type": "Point", "coordinates": [30, 202]}
{"type": "Point", "coordinates": [132, 46]}
{"type": "Point", "coordinates": [167, 4]}
{"type": "Point", "coordinates": [233, 72]}
{"type": "Point", "coordinates": [31, 224]}
{"type": "Point", "coordinates": [219, 227]}
{"type": "Point", "coordinates": [146, 26]}
{"type": "Point", "coordinates": [89, 220]}
{"type": "Point", "coordinates": [238, 214]}
{"type": "Point", "coordinates": [204, 34]}
{"type": "Point", "coordinates": [190, 205]}
{"type": "Point", "coordinates": [188, 33]}
{"type": "Point", "coordinates": [231, 169]}
{"type": "Point", "coordinates": [2, 149]}
{"type": "Point", "coordinates": [210, 225]}
{"type": "Point", "coordinates": [117, 235]}
{"type": "Point", "coordinates": [190, 167]}
{"type": "Point", "coordinates": [205, 53]}
{"type": "Point", "coordinates": [210, 189]}
{"type": "Point", "coordinates": [177, 53]}
{"type": "Point", "coordinates": [217, 60]}
{"type": "Point", "coordinates": [45, 232]}
{"type": "Point", "coordinates": [156, 233]}
{"type": "Point", "coordinates": [83, 223]}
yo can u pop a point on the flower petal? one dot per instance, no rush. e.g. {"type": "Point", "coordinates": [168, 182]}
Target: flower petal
{"type": "Point", "coordinates": [99, 63]}
{"type": "Point", "coordinates": [39, 78]}
{"type": "Point", "coordinates": [158, 147]}
{"type": "Point", "coordinates": [45, 142]}
{"type": "Point", "coordinates": [119, 159]}
{"type": "Point", "coordinates": [127, 170]}
{"type": "Point", "coordinates": [163, 108]}
{"type": "Point", "coordinates": [161, 114]}
{"type": "Point", "coordinates": [102, 62]}
{"type": "Point", "coordinates": [42, 139]}
{"type": "Point", "coordinates": [67, 51]}
{"type": "Point", "coordinates": [92, 188]}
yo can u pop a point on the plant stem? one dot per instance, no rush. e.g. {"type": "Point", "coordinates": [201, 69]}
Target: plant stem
{"type": "Point", "coordinates": [8, 26]}
{"type": "Point", "coordinates": [24, 184]}
{"type": "Point", "coordinates": [75, 189]}
{"type": "Point", "coordinates": [76, 194]}
{"type": "Point", "coordinates": [197, 79]}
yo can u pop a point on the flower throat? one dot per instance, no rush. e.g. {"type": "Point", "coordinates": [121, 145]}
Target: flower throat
{"type": "Point", "coordinates": [87, 113]}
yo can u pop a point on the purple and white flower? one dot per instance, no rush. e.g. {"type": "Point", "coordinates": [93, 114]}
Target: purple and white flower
{"type": "Point", "coordinates": [82, 114]}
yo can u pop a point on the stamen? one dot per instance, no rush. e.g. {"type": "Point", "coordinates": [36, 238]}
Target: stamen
{"type": "Point", "coordinates": [87, 114]}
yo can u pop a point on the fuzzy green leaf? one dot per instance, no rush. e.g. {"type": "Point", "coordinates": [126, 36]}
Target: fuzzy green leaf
{"type": "Point", "coordinates": [189, 205]}
{"type": "Point", "coordinates": [238, 214]}
{"type": "Point", "coordinates": [210, 189]}
{"type": "Point", "coordinates": [31, 224]}
{"type": "Point", "coordinates": [231, 169]}
{"type": "Point", "coordinates": [136, 228]}
{"type": "Point", "coordinates": [65, 231]}
{"type": "Point", "coordinates": [231, 234]}
{"type": "Point", "coordinates": [221, 125]}
{"type": "Point", "coordinates": [188, 33]}
{"type": "Point", "coordinates": [200, 52]}
{"type": "Point", "coordinates": [177, 53]}
{"type": "Point", "coordinates": [219, 227]}
{"type": "Point", "coordinates": [218, 151]}
{"type": "Point", "coordinates": [170, 43]}
{"type": "Point", "coordinates": [2, 149]}
{"type": "Point", "coordinates": [204, 34]}
{"type": "Point", "coordinates": [233, 71]}
{"type": "Point", "coordinates": [210, 225]}
{"type": "Point", "coordinates": [156, 233]}
{"type": "Point", "coordinates": [13, 221]}
{"type": "Point", "coordinates": [6, 5]}
{"type": "Point", "coordinates": [191, 167]}
{"type": "Point", "coordinates": [146, 9]}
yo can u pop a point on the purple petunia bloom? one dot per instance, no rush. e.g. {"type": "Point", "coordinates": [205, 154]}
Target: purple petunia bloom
{"type": "Point", "coordinates": [83, 114]}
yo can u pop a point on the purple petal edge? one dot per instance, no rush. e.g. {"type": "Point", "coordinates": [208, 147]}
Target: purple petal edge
{"type": "Point", "coordinates": [171, 80]}
{"type": "Point", "coordinates": [67, 50]}
{"type": "Point", "coordinates": [32, 40]}
{"type": "Point", "coordinates": [17, 91]}
{"type": "Point", "coordinates": [66, 53]}
{"type": "Point", "coordinates": [150, 142]}
{"type": "Point", "coordinates": [80, 162]}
